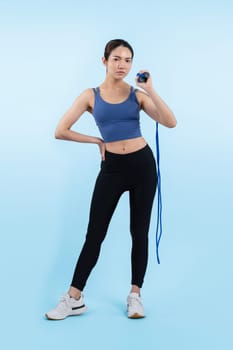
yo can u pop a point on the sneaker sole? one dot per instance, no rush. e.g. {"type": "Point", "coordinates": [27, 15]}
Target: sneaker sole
{"type": "Point", "coordinates": [54, 319]}
{"type": "Point", "coordinates": [136, 315]}
{"type": "Point", "coordinates": [81, 311]}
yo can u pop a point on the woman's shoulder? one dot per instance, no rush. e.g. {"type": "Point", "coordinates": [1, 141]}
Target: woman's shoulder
{"type": "Point", "coordinates": [87, 95]}
{"type": "Point", "coordinates": [85, 98]}
{"type": "Point", "coordinates": [88, 92]}
{"type": "Point", "coordinates": [140, 94]}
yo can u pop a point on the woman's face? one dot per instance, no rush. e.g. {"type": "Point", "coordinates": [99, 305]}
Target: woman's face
{"type": "Point", "coordinates": [119, 62]}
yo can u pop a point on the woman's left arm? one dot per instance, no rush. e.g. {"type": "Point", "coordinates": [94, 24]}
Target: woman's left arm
{"type": "Point", "coordinates": [154, 106]}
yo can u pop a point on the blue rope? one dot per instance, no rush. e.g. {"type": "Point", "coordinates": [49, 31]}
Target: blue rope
{"type": "Point", "coordinates": [159, 196]}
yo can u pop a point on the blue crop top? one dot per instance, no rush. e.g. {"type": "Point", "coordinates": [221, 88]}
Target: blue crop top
{"type": "Point", "coordinates": [117, 121]}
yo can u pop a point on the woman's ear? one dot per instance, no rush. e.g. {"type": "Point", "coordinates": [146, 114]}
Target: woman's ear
{"type": "Point", "coordinates": [104, 61]}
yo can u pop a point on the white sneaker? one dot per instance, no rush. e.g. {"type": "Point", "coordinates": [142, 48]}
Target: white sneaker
{"type": "Point", "coordinates": [134, 306]}
{"type": "Point", "coordinates": [67, 307]}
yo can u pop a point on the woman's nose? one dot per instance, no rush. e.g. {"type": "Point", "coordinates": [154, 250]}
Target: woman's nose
{"type": "Point", "coordinates": [121, 64]}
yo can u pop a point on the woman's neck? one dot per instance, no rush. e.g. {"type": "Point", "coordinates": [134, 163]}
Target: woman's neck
{"type": "Point", "coordinates": [113, 84]}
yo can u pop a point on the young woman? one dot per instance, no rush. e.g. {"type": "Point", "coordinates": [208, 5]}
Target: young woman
{"type": "Point", "coordinates": [127, 164]}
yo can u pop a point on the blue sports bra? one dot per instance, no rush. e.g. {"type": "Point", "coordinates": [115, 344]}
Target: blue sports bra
{"type": "Point", "coordinates": [117, 121]}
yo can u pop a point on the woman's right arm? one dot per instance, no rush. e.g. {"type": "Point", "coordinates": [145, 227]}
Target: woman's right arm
{"type": "Point", "coordinates": [80, 105]}
{"type": "Point", "coordinates": [63, 130]}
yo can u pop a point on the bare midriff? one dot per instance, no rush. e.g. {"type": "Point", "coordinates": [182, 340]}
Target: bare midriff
{"type": "Point", "coordinates": [126, 146]}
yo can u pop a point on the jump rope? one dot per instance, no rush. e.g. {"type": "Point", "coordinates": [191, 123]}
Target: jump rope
{"type": "Point", "coordinates": [142, 78]}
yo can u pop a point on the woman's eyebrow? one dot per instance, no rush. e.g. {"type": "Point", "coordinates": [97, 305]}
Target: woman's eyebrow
{"type": "Point", "coordinates": [127, 58]}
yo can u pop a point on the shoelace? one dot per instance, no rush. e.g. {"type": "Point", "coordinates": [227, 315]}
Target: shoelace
{"type": "Point", "coordinates": [159, 196]}
{"type": "Point", "coordinates": [132, 301]}
{"type": "Point", "coordinates": [64, 302]}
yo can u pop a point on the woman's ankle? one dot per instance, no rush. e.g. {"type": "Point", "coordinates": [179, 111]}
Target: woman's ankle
{"type": "Point", "coordinates": [74, 292]}
{"type": "Point", "coordinates": [135, 289]}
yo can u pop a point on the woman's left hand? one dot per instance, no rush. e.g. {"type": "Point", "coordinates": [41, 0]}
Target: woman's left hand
{"type": "Point", "coordinates": [147, 85]}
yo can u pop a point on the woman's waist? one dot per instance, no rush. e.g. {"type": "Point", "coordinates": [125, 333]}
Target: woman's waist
{"type": "Point", "coordinates": [126, 146]}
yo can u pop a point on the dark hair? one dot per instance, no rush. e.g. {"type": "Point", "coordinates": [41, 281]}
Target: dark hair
{"type": "Point", "coordinates": [113, 44]}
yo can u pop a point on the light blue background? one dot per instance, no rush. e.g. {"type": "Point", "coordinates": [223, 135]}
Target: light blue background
{"type": "Point", "coordinates": [50, 52]}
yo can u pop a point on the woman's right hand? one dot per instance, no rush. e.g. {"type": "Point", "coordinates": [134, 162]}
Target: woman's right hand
{"type": "Point", "coordinates": [102, 148]}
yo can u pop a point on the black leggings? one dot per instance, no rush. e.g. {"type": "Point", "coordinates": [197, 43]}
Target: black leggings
{"type": "Point", "coordinates": [134, 172]}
